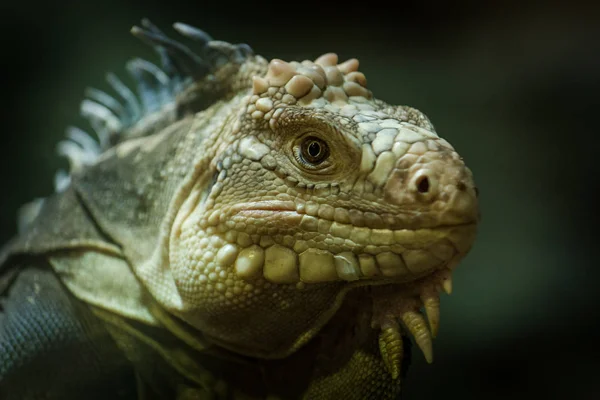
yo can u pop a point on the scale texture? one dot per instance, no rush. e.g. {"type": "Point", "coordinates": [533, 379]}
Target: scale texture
{"type": "Point", "coordinates": [235, 228]}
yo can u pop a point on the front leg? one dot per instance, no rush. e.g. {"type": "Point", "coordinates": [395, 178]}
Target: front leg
{"type": "Point", "coordinates": [52, 347]}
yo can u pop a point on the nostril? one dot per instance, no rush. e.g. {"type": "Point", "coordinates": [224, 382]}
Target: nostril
{"type": "Point", "coordinates": [423, 184]}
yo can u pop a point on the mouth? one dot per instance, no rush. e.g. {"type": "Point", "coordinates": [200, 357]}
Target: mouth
{"type": "Point", "coordinates": [290, 247]}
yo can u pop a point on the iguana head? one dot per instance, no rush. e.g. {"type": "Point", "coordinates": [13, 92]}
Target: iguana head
{"type": "Point", "coordinates": [257, 197]}
{"type": "Point", "coordinates": [317, 188]}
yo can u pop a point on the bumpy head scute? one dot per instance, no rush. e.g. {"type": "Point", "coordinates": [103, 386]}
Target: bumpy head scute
{"type": "Point", "coordinates": [302, 83]}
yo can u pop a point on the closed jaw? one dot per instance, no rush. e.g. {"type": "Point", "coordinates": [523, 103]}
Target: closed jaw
{"type": "Point", "coordinates": [280, 264]}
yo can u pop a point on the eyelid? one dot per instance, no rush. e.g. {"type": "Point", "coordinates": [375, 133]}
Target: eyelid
{"type": "Point", "coordinates": [337, 145]}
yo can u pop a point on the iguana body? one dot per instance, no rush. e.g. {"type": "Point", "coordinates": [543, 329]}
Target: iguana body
{"type": "Point", "coordinates": [248, 230]}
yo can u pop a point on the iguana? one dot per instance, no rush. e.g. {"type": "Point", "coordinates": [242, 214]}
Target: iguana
{"type": "Point", "coordinates": [241, 229]}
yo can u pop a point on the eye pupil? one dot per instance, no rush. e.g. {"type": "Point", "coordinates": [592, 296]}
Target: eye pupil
{"type": "Point", "coordinates": [314, 149]}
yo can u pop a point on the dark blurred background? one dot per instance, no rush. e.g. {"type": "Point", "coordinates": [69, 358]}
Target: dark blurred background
{"type": "Point", "coordinates": [514, 87]}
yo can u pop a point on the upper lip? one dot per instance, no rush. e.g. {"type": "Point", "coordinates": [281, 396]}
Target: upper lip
{"type": "Point", "coordinates": [265, 206]}
{"type": "Point", "coordinates": [289, 206]}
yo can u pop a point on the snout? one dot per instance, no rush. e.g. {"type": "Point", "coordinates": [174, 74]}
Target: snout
{"type": "Point", "coordinates": [435, 182]}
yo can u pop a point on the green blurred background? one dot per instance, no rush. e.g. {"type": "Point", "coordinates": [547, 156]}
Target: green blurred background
{"type": "Point", "coordinates": [514, 87]}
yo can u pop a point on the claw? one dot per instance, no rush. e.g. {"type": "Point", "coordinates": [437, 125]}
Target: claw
{"type": "Point", "coordinates": [447, 285]}
{"type": "Point", "coordinates": [431, 303]}
{"type": "Point", "coordinates": [392, 306]}
{"type": "Point", "coordinates": [390, 347]}
{"type": "Point", "coordinates": [417, 326]}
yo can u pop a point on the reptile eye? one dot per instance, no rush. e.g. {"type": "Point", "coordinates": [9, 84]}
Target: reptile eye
{"type": "Point", "coordinates": [314, 151]}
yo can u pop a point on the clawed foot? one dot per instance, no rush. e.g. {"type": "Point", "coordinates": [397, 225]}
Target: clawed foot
{"type": "Point", "coordinates": [395, 310]}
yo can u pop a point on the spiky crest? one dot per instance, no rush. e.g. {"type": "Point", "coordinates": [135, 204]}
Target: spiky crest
{"type": "Point", "coordinates": [187, 81]}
